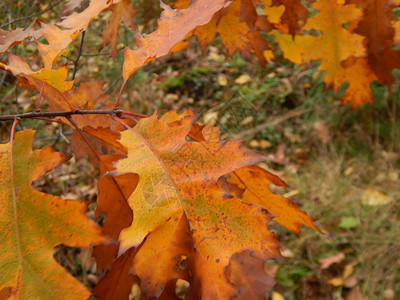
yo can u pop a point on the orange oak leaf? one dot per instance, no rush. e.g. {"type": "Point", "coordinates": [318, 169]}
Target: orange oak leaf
{"type": "Point", "coordinates": [80, 21]}
{"type": "Point", "coordinates": [168, 250]}
{"type": "Point", "coordinates": [31, 79]}
{"type": "Point", "coordinates": [233, 33]}
{"type": "Point", "coordinates": [335, 44]}
{"type": "Point", "coordinates": [159, 179]}
{"type": "Point", "coordinates": [58, 40]}
{"type": "Point", "coordinates": [173, 26]}
{"type": "Point", "coordinates": [9, 38]}
{"type": "Point", "coordinates": [251, 185]}
{"type": "Point", "coordinates": [33, 223]}
{"type": "Point", "coordinates": [359, 75]}
{"type": "Point", "coordinates": [178, 179]}
{"type": "Point", "coordinates": [96, 142]}
{"type": "Point", "coordinates": [218, 236]}
{"type": "Point", "coordinates": [87, 96]}
{"type": "Point", "coordinates": [123, 12]}
{"type": "Point", "coordinates": [235, 25]}
{"type": "Point", "coordinates": [333, 47]}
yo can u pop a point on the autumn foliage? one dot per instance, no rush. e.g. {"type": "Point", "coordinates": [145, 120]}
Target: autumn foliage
{"type": "Point", "coordinates": [179, 202]}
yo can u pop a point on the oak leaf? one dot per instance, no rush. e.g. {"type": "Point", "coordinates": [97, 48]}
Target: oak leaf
{"type": "Point", "coordinates": [247, 273]}
{"type": "Point", "coordinates": [9, 38]}
{"type": "Point", "coordinates": [78, 22]}
{"type": "Point", "coordinates": [335, 44]}
{"type": "Point", "coordinates": [178, 179]}
{"type": "Point", "coordinates": [118, 214]}
{"type": "Point", "coordinates": [293, 14]}
{"type": "Point", "coordinates": [173, 26]}
{"type": "Point", "coordinates": [35, 79]}
{"type": "Point", "coordinates": [33, 223]}
{"type": "Point", "coordinates": [123, 12]}
{"type": "Point", "coordinates": [376, 25]}
{"type": "Point", "coordinates": [235, 25]}
{"type": "Point", "coordinates": [251, 185]}
{"type": "Point", "coordinates": [339, 49]}
{"type": "Point", "coordinates": [71, 5]}
{"type": "Point", "coordinates": [57, 39]}
{"type": "Point", "coordinates": [117, 283]}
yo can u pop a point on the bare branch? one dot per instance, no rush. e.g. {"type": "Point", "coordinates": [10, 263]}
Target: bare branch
{"type": "Point", "coordinates": [32, 115]}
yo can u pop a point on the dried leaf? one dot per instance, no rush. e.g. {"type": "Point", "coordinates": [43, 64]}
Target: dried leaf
{"type": "Point", "coordinates": [247, 274]}
{"type": "Point", "coordinates": [333, 259]}
{"type": "Point", "coordinates": [373, 197]}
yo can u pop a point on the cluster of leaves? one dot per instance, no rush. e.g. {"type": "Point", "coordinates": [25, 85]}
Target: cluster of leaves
{"type": "Point", "coordinates": [179, 203]}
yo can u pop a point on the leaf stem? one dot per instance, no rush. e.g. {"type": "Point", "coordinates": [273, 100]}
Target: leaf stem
{"type": "Point", "coordinates": [14, 193]}
{"type": "Point", "coordinates": [119, 95]}
{"type": "Point", "coordinates": [37, 108]}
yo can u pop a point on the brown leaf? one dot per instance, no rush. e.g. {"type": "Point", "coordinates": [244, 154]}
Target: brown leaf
{"type": "Point", "coordinates": [247, 274]}
{"type": "Point", "coordinates": [293, 14]}
{"type": "Point", "coordinates": [333, 259]}
{"type": "Point", "coordinates": [375, 24]}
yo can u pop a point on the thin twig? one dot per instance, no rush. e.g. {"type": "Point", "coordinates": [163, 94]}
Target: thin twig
{"type": "Point", "coordinates": [31, 115]}
{"type": "Point", "coordinates": [78, 56]}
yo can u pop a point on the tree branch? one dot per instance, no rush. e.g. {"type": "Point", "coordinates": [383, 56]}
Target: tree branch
{"type": "Point", "coordinates": [31, 115]}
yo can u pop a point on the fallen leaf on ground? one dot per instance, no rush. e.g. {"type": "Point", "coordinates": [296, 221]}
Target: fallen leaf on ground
{"type": "Point", "coordinates": [242, 79]}
{"type": "Point", "coordinates": [372, 197]}
{"type": "Point", "coordinates": [328, 261]}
